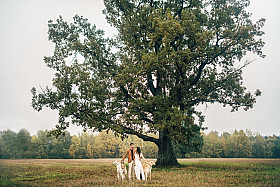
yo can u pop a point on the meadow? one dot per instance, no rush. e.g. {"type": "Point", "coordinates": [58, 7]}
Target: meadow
{"type": "Point", "coordinates": [101, 172]}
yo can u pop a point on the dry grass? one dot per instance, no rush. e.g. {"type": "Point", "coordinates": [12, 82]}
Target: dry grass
{"type": "Point", "coordinates": [101, 172]}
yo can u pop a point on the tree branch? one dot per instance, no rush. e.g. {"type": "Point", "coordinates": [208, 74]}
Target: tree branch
{"type": "Point", "coordinates": [202, 65]}
{"type": "Point", "coordinates": [196, 101]}
{"type": "Point", "coordinates": [142, 136]}
{"type": "Point", "coordinates": [126, 93]}
{"type": "Point", "coordinates": [150, 84]}
{"type": "Point", "coordinates": [147, 120]}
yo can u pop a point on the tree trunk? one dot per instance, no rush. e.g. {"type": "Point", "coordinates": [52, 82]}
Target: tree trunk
{"type": "Point", "coordinates": [166, 156]}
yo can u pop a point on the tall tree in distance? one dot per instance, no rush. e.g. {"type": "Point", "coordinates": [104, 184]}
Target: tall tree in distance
{"type": "Point", "coordinates": [74, 147]}
{"type": "Point", "coordinates": [8, 145]}
{"type": "Point", "coordinates": [23, 144]}
{"type": "Point", "coordinates": [169, 57]}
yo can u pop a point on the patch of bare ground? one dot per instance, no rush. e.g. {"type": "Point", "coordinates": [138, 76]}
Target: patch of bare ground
{"type": "Point", "coordinates": [230, 160]}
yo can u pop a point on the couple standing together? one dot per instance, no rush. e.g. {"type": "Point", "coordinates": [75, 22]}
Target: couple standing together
{"type": "Point", "coordinates": [134, 162]}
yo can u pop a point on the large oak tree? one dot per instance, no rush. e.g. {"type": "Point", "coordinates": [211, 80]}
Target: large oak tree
{"type": "Point", "coordinates": [168, 57]}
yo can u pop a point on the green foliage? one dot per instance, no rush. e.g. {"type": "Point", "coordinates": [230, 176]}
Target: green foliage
{"type": "Point", "coordinates": [212, 145]}
{"type": "Point", "coordinates": [74, 148]}
{"type": "Point", "coordinates": [167, 58]}
{"type": "Point", "coordinates": [8, 141]}
{"type": "Point", "coordinates": [85, 145]}
{"type": "Point", "coordinates": [191, 148]}
{"type": "Point", "coordinates": [105, 145]}
{"type": "Point", "coordinates": [239, 145]}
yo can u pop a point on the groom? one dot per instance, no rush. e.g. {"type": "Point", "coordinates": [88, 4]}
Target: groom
{"type": "Point", "coordinates": [130, 155]}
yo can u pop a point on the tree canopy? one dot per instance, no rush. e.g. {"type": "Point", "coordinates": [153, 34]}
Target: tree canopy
{"type": "Point", "coordinates": [168, 57]}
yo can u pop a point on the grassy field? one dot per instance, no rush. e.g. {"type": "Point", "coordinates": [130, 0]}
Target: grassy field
{"type": "Point", "coordinates": [101, 172]}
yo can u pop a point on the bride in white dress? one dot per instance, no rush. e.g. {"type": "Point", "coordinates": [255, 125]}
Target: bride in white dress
{"type": "Point", "coordinates": [138, 165]}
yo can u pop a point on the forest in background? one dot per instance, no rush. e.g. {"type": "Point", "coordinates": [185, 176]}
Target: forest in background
{"type": "Point", "coordinates": [87, 145]}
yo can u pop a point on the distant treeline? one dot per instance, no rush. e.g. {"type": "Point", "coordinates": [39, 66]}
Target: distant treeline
{"type": "Point", "coordinates": [105, 145]}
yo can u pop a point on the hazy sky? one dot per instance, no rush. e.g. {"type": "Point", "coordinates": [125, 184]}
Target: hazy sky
{"type": "Point", "coordinates": [24, 43]}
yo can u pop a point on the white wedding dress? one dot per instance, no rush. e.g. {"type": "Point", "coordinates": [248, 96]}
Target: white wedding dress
{"type": "Point", "coordinates": [138, 167]}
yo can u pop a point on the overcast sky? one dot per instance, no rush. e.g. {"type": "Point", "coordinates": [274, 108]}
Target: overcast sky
{"type": "Point", "coordinates": [24, 43]}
